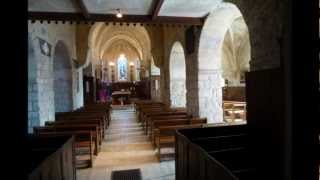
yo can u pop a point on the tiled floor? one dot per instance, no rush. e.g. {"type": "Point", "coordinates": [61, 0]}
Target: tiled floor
{"type": "Point", "coordinates": [127, 147]}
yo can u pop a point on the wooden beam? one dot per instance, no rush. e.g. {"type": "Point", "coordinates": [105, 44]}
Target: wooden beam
{"type": "Point", "coordinates": [55, 16]}
{"type": "Point", "coordinates": [156, 8]}
{"type": "Point", "coordinates": [84, 9]}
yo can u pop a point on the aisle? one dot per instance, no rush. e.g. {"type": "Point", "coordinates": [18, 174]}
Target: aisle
{"type": "Point", "coordinates": [127, 147]}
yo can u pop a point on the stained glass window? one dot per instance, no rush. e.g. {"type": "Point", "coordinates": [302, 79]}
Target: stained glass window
{"type": "Point", "coordinates": [122, 68]}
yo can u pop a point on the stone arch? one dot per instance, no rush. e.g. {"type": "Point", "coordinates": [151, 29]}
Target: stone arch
{"type": "Point", "coordinates": [177, 70]}
{"type": "Point", "coordinates": [102, 36]}
{"type": "Point", "coordinates": [217, 43]}
{"type": "Point", "coordinates": [119, 38]}
{"type": "Point", "coordinates": [236, 52]}
{"type": "Point", "coordinates": [62, 71]}
{"type": "Point", "coordinates": [112, 52]}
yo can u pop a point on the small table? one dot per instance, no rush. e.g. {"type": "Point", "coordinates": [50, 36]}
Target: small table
{"type": "Point", "coordinates": [121, 96]}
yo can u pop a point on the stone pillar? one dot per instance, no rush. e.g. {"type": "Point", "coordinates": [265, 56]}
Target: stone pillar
{"type": "Point", "coordinates": [192, 96]}
{"type": "Point", "coordinates": [264, 30]}
{"type": "Point", "coordinates": [165, 86]}
{"type": "Point", "coordinates": [210, 95]}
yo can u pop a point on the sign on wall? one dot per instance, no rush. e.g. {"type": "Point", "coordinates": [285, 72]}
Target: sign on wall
{"type": "Point", "coordinates": [45, 47]}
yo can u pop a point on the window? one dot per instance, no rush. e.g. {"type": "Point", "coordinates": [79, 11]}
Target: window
{"type": "Point", "coordinates": [122, 68]}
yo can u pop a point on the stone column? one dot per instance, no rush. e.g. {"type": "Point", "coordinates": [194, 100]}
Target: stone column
{"type": "Point", "coordinates": [192, 96]}
{"type": "Point", "coordinates": [210, 95]}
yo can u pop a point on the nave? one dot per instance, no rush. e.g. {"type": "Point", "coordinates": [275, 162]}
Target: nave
{"type": "Point", "coordinates": [183, 64]}
{"type": "Point", "coordinates": [127, 147]}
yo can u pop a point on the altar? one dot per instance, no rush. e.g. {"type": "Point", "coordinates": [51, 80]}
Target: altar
{"type": "Point", "coordinates": [121, 97]}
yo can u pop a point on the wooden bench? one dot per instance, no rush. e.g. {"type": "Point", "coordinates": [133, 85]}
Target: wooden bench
{"type": "Point", "coordinates": [77, 116]}
{"type": "Point", "coordinates": [51, 158]}
{"type": "Point", "coordinates": [144, 110]}
{"type": "Point", "coordinates": [83, 142]}
{"type": "Point", "coordinates": [72, 128]}
{"type": "Point", "coordinates": [237, 160]}
{"type": "Point", "coordinates": [224, 149]}
{"type": "Point", "coordinates": [105, 112]}
{"type": "Point", "coordinates": [165, 138]}
{"type": "Point", "coordinates": [97, 122]}
{"type": "Point", "coordinates": [151, 119]}
{"type": "Point", "coordinates": [163, 116]}
{"type": "Point", "coordinates": [169, 118]}
{"type": "Point", "coordinates": [84, 115]}
{"type": "Point", "coordinates": [174, 122]}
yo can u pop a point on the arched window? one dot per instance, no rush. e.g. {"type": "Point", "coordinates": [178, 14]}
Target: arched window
{"type": "Point", "coordinates": [122, 68]}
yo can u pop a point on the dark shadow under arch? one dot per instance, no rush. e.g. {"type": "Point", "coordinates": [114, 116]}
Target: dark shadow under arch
{"type": "Point", "coordinates": [62, 71]}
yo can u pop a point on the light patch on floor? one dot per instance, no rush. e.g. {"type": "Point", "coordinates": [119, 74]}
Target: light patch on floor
{"type": "Point", "coordinates": [127, 147]}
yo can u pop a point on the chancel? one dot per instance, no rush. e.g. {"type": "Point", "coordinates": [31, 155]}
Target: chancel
{"type": "Point", "coordinates": [159, 89]}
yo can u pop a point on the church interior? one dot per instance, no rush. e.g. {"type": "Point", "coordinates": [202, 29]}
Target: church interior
{"type": "Point", "coordinates": [160, 90]}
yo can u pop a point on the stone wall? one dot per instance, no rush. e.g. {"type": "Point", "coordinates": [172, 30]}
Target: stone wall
{"type": "Point", "coordinates": [33, 103]}
{"type": "Point", "coordinates": [41, 92]}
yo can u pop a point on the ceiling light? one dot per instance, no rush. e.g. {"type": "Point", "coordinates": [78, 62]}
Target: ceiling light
{"type": "Point", "coordinates": [119, 14]}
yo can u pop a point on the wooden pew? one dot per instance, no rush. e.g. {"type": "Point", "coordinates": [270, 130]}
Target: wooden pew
{"type": "Point", "coordinates": [224, 149]}
{"type": "Point", "coordinates": [105, 112]}
{"type": "Point", "coordinates": [146, 113]}
{"type": "Point", "coordinates": [222, 142]}
{"type": "Point", "coordinates": [233, 109]}
{"type": "Point", "coordinates": [144, 110]}
{"type": "Point", "coordinates": [153, 120]}
{"type": "Point", "coordinates": [102, 109]}
{"type": "Point", "coordinates": [165, 138]}
{"type": "Point", "coordinates": [149, 118]}
{"type": "Point", "coordinates": [72, 128]}
{"type": "Point", "coordinates": [83, 140]}
{"type": "Point", "coordinates": [237, 160]}
{"type": "Point", "coordinates": [97, 122]}
{"type": "Point", "coordinates": [84, 115]}
{"type": "Point", "coordinates": [139, 104]}
{"type": "Point", "coordinates": [51, 158]}
{"type": "Point", "coordinates": [174, 122]}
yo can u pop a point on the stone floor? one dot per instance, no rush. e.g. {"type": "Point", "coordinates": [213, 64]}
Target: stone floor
{"type": "Point", "coordinates": [127, 147]}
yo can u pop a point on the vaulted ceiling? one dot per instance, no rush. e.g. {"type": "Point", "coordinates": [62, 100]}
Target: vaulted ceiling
{"type": "Point", "coordinates": [181, 11]}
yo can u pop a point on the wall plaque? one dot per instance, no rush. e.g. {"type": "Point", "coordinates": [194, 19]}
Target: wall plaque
{"type": "Point", "coordinates": [45, 47]}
